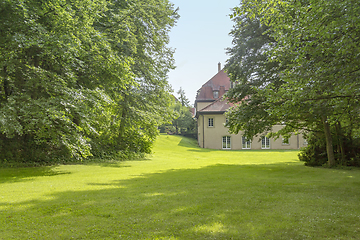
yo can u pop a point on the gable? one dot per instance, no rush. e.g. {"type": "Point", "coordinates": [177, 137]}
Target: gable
{"type": "Point", "coordinates": [219, 83]}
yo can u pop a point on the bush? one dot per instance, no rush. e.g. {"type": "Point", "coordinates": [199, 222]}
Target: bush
{"type": "Point", "coordinates": [315, 153]}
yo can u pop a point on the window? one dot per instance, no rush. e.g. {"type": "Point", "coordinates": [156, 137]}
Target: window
{"type": "Point", "coordinates": [226, 142]}
{"type": "Point", "coordinates": [246, 144]}
{"type": "Point", "coordinates": [216, 94]}
{"type": "Point", "coordinates": [226, 122]}
{"type": "Point", "coordinates": [285, 141]}
{"type": "Point", "coordinates": [211, 122]}
{"type": "Point", "coordinates": [305, 142]}
{"type": "Point", "coordinates": [265, 143]}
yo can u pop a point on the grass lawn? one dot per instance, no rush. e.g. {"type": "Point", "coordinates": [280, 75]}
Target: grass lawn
{"type": "Point", "coordinates": [182, 192]}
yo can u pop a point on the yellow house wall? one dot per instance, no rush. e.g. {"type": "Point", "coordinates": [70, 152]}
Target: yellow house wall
{"type": "Point", "coordinates": [213, 135]}
{"type": "Point", "coordinates": [201, 105]}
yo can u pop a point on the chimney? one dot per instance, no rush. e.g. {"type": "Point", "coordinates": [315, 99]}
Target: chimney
{"type": "Point", "coordinates": [219, 67]}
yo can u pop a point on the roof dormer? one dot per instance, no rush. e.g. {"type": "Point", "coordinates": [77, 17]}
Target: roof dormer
{"type": "Point", "coordinates": [216, 94]}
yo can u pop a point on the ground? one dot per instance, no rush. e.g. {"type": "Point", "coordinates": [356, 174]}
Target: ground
{"type": "Point", "coordinates": [182, 192]}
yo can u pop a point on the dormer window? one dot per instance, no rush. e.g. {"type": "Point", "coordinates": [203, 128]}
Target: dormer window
{"type": "Point", "coordinates": [216, 94]}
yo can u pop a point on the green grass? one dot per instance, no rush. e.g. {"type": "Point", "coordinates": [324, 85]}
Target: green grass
{"type": "Point", "coordinates": [182, 192]}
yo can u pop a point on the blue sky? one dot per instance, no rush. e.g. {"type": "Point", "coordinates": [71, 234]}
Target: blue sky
{"type": "Point", "coordinates": [200, 39]}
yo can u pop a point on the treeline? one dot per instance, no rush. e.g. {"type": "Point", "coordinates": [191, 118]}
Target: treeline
{"type": "Point", "coordinates": [82, 78]}
{"type": "Point", "coordinates": [183, 121]}
{"type": "Point", "coordinates": [296, 63]}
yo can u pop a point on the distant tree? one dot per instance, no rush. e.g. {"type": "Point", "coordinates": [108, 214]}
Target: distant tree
{"type": "Point", "coordinates": [182, 98]}
{"type": "Point", "coordinates": [183, 121]}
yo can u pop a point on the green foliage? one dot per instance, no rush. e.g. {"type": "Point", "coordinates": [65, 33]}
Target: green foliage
{"type": "Point", "coordinates": [182, 121]}
{"type": "Point", "coordinates": [310, 75]}
{"type": "Point", "coordinates": [82, 77]}
{"type": "Point", "coordinates": [182, 98]}
{"type": "Point", "coordinates": [346, 149]}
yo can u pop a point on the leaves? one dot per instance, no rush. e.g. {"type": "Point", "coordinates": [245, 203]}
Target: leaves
{"type": "Point", "coordinates": [307, 72]}
{"type": "Point", "coordinates": [68, 70]}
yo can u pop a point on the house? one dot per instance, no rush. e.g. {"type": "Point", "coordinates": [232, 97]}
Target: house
{"type": "Point", "coordinates": [210, 113]}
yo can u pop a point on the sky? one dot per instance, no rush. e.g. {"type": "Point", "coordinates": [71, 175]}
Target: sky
{"type": "Point", "coordinates": [200, 39]}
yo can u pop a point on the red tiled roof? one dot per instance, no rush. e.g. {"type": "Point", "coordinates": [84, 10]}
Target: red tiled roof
{"type": "Point", "coordinates": [192, 111]}
{"type": "Point", "coordinates": [220, 105]}
{"type": "Point", "coordinates": [220, 82]}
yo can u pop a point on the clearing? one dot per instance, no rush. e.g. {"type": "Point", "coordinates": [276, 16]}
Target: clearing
{"type": "Point", "coordinates": [182, 192]}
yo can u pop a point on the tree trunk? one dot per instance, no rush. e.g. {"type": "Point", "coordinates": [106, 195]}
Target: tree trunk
{"type": "Point", "coordinates": [329, 145]}
{"type": "Point", "coordinates": [351, 152]}
{"type": "Point", "coordinates": [122, 123]}
{"type": "Point", "coordinates": [6, 86]}
{"type": "Point", "coordinates": [341, 141]}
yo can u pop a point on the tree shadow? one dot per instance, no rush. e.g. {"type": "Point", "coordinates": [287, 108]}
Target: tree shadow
{"type": "Point", "coordinates": [192, 145]}
{"type": "Point", "coordinates": [202, 150]}
{"type": "Point", "coordinates": [188, 142]}
{"type": "Point", "coordinates": [9, 175]}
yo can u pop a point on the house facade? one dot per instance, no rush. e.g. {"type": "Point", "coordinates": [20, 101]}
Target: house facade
{"type": "Point", "coordinates": [210, 113]}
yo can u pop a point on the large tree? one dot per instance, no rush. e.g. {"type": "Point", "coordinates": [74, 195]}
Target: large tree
{"type": "Point", "coordinates": [317, 44]}
{"type": "Point", "coordinates": [73, 71]}
{"type": "Point", "coordinates": [138, 30]}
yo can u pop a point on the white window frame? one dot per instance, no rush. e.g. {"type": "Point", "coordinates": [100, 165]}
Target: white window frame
{"type": "Point", "coordinates": [245, 144]}
{"type": "Point", "coordinates": [226, 121]}
{"type": "Point", "coordinates": [210, 122]}
{"type": "Point", "coordinates": [227, 142]}
{"type": "Point", "coordinates": [264, 142]}
{"type": "Point", "coordinates": [216, 94]}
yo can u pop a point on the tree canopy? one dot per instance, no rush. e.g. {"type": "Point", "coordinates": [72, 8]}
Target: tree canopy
{"type": "Point", "coordinates": [182, 121]}
{"type": "Point", "coordinates": [83, 77]}
{"type": "Point", "coordinates": [304, 73]}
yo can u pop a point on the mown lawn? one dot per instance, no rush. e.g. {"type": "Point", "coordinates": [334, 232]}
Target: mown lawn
{"type": "Point", "coordinates": [182, 192]}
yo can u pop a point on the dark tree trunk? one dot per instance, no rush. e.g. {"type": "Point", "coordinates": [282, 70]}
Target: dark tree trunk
{"type": "Point", "coordinates": [329, 144]}
{"type": "Point", "coordinates": [123, 122]}
{"type": "Point", "coordinates": [341, 142]}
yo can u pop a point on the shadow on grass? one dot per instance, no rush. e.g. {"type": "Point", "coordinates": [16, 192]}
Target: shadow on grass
{"type": "Point", "coordinates": [216, 202]}
{"type": "Point", "coordinates": [188, 142]}
{"type": "Point", "coordinates": [8, 175]}
{"type": "Point", "coordinates": [201, 150]}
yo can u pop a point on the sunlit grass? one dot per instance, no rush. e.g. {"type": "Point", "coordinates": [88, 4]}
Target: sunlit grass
{"type": "Point", "coordinates": [182, 192]}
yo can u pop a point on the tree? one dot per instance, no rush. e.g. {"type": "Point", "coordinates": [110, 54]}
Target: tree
{"type": "Point", "coordinates": [138, 30]}
{"type": "Point", "coordinates": [43, 100]}
{"type": "Point", "coordinates": [182, 121]}
{"type": "Point", "coordinates": [250, 70]}
{"type": "Point", "coordinates": [182, 98]}
{"type": "Point", "coordinates": [73, 71]}
{"type": "Point", "coordinates": [316, 46]}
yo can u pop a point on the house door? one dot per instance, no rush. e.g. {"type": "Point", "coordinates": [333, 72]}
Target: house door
{"type": "Point", "coordinates": [226, 142]}
{"type": "Point", "coordinates": [246, 144]}
{"type": "Point", "coordinates": [265, 143]}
